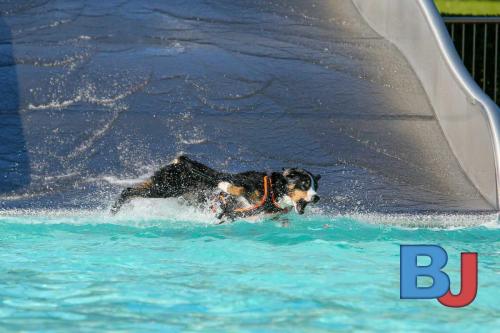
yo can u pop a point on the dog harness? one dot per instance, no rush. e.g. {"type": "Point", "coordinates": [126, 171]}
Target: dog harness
{"type": "Point", "coordinates": [266, 199]}
{"type": "Point", "coordinates": [266, 204]}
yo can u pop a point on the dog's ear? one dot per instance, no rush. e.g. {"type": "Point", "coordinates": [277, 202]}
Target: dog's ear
{"type": "Point", "coordinates": [291, 175]}
{"type": "Point", "coordinates": [317, 177]}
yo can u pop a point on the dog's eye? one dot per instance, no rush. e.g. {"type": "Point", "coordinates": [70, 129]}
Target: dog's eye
{"type": "Point", "coordinates": [303, 185]}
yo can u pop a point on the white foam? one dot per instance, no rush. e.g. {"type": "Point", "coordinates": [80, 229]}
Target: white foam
{"type": "Point", "coordinates": [146, 172]}
{"type": "Point", "coordinates": [89, 94]}
{"type": "Point", "coordinates": [165, 209]}
{"type": "Point", "coordinates": [57, 105]}
{"type": "Point", "coordinates": [162, 212]}
{"type": "Point", "coordinates": [194, 137]}
{"type": "Point", "coordinates": [125, 181]}
{"type": "Point", "coordinates": [41, 27]}
{"type": "Point", "coordinates": [429, 221]}
{"type": "Point", "coordinates": [138, 213]}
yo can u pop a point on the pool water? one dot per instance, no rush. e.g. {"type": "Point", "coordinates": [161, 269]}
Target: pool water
{"type": "Point", "coordinates": [97, 95]}
{"type": "Point", "coordinates": [90, 272]}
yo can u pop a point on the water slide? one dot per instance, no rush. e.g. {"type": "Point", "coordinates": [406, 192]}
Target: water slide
{"type": "Point", "coordinates": [96, 95]}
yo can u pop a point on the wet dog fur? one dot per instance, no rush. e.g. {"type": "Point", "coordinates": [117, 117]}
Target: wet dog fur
{"type": "Point", "coordinates": [198, 184]}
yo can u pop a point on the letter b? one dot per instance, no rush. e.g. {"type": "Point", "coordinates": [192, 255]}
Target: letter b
{"type": "Point", "coordinates": [410, 271]}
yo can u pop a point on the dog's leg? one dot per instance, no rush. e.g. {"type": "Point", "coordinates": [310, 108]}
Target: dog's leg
{"type": "Point", "coordinates": [141, 191]}
{"type": "Point", "coordinates": [282, 220]}
{"type": "Point", "coordinates": [227, 205]}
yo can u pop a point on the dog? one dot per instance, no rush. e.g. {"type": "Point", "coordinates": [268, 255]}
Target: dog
{"type": "Point", "coordinates": [229, 196]}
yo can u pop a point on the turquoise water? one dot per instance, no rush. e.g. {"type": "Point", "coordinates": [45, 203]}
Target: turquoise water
{"type": "Point", "coordinates": [63, 272]}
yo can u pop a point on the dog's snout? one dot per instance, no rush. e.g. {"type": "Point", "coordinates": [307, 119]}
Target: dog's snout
{"type": "Point", "coordinates": [315, 198]}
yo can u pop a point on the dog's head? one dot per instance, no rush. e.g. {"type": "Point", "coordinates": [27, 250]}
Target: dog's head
{"type": "Point", "coordinates": [302, 188]}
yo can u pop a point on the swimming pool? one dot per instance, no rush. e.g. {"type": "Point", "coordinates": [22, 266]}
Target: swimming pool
{"type": "Point", "coordinates": [100, 94]}
{"type": "Point", "coordinates": [68, 271]}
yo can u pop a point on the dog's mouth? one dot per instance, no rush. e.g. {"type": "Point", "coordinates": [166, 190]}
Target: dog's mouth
{"type": "Point", "coordinates": [300, 206]}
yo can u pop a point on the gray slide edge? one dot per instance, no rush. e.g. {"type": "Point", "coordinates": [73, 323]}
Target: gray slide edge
{"type": "Point", "coordinates": [468, 117]}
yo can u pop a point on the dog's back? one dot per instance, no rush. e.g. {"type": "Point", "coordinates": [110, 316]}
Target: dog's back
{"type": "Point", "coordinates": [183, 176]}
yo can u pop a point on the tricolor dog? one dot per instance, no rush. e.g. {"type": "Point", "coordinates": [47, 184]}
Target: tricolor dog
{"type": "Point", "coordinates": [229, 195]}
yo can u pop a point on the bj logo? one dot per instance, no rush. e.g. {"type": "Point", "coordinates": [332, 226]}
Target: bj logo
{"type": "Point", "coordinates": [440, 288]}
